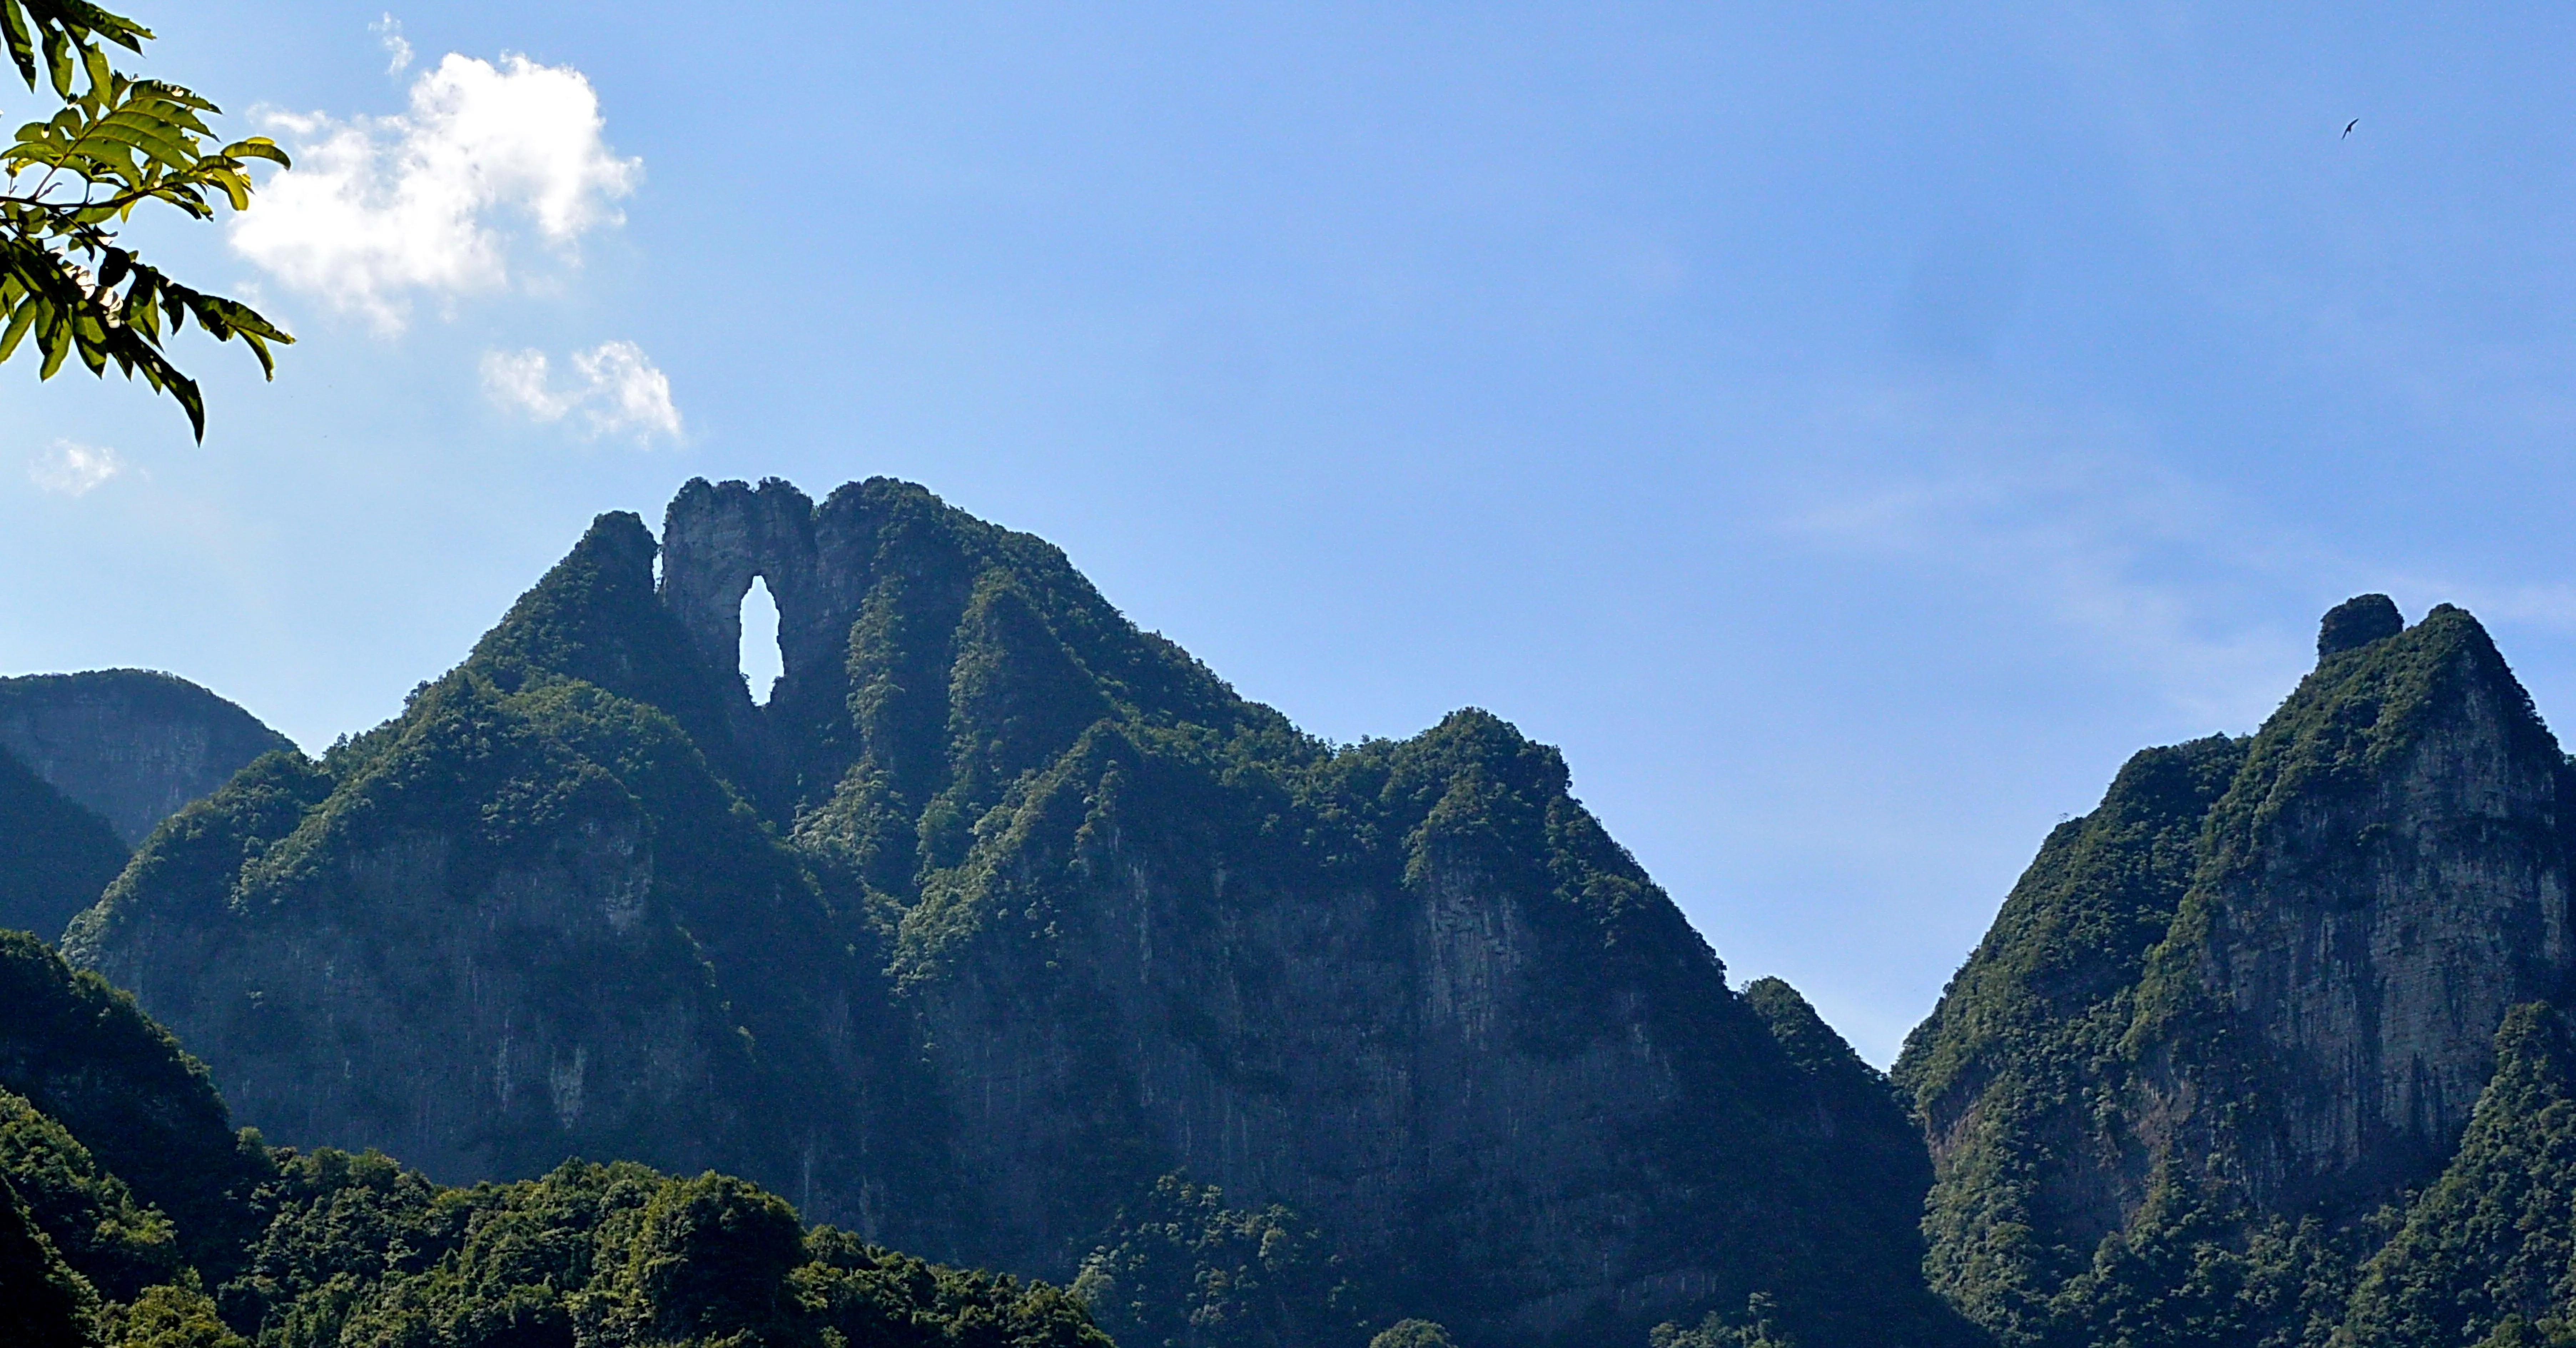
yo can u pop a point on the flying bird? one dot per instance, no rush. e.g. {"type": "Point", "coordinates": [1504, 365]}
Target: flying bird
{"type": "Point", "coordinates": [2348, 126]}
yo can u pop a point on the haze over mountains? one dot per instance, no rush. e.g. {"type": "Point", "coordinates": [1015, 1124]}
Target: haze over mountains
{"type": "Point", "coordinates": [1006, 934]}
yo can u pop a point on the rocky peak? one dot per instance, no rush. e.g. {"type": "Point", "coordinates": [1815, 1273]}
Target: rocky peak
{"type": "Point", "coordinates": [2357, 622]}
{"type": "Point", "coordinates": [2273, 995]}
{"type": "Point", "coordinates": [716, 537]}
{"type": "Point", "coordinates": [2383, 881]}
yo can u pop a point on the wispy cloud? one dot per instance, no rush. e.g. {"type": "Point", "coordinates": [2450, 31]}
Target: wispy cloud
{"type": "Point", "coordinates": [380, 209]}
{"type": "Point", "coordinates": [388, 31]}
{"type": "Point", "coordinates": [70, 468]}
{"type": "Point", "coordinates": [2091, 534]}
{"type": "Point", "coordinates": [614, 387]}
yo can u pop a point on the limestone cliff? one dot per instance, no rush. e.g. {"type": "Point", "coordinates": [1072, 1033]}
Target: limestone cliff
{"type": "Point", "coordinates": [999, 911]}
{"type": "Point", "coordinates": [2260, 984]}
{"type": "Point", "coordinates": [129, 744]}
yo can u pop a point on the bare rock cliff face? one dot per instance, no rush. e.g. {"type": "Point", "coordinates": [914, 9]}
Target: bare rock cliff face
{"type": "Point", "coordinates": [132, 745]}
{"type": "Point", "coordinates": [2388, 893]}
{"type": "Point", "coordinates": [997, 912]}
{"type": "Point", "coordinates": [2262, 983]}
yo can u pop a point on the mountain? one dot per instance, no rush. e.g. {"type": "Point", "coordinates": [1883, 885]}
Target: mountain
{"type": "Point", "coordinates": [130, 745]}
{"type": "Point", "coordinates": [56, 856]}
{"type": "Point", "coordinates": [89, 764]}
{"type": "Point", "coordinates": [132, 1216]}
{"type": "Point", "coordinates": [2233, 1021]}
{"type": "Point", "coordinates": [1002, 926]}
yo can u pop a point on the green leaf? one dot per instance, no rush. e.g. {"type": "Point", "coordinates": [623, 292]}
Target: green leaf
{"type": "Point", "coordinates": [58, 61]}
{"type": "Point", "coordinates": [22, 47]}
{"type": "Point", "coordinates": [55, 338]}
{"type": "Point", "coordinates": [258, 147]}
{"type": "Point", "coordinates": [102, 81]}
{"type": "Point", "coordinates": [19, 320]}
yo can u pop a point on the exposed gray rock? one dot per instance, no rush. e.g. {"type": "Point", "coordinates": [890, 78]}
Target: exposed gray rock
{"type": "Point", "coordinates": [2388, 877]}
{"type": "Point", "coordinates": [131, 744]}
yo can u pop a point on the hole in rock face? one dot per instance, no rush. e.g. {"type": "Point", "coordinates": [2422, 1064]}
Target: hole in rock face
{"type": "Point", "coordinates": [761, 661]}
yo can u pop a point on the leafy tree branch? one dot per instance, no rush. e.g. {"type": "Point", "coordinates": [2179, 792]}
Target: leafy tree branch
{"type": "Point", "coordinates": [72, 180]}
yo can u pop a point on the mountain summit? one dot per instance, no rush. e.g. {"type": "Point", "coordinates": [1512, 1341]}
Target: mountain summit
{"type": "Point", "coordinates": [2251, 999]}
{"type": "Point", "coordinates": [1001, 927]}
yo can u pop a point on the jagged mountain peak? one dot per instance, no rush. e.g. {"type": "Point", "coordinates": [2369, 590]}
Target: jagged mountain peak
{"type": "Point", "coordinates": [882, 591]}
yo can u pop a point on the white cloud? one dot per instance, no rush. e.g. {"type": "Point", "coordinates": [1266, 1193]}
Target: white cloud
{"type": "Point", "coordinates": [388, 30]}
{"type": "Point", "coordinates": [70, 468]}
{"type": "Point", "coordinates": [379, 208]}
{"type": "Point", "coordinates": [617, 390]}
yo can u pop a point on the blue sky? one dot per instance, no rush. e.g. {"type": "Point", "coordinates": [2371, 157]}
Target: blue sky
{"type": "Point", "coordinates": [1848, 430]}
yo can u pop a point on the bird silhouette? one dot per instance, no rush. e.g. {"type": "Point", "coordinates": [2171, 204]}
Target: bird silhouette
{"type": "Point", "coordinates": [2347, 128]}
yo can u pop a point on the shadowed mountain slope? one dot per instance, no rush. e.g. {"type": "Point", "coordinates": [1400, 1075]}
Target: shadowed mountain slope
{"type": "Point", "coordinates": [997, 914]}
{"type": "Point", "coordinates": [56, 856]}
{"type": "Point", "coordinates": [131, 1216]}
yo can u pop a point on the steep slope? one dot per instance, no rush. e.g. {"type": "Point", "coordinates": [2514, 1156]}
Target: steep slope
{"type": "Point", "coordinates": [82, 1054]}
{"type": "Point", "coordinates": [329, 1250]}
{"type": "Point", "coordinates": [56, 857]}
{"type": "Point", "coordinates": [998, 914]}
{"type": "Point", "coordinates": [2494, 1240]}
{"type": "Point", "coordinates": [129, 744]}
{"type": "Point", "coordinates": [520, 922]}
{"type": "Point", "coordinates": [43, 1304]}
{"type": "Point", "coordinates": [2212, 1013]}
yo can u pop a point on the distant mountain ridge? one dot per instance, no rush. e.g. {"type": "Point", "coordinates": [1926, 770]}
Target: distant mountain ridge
{"type": "Point", "coordinates": [89, 764]}
{"type": "Point", "coordinates": [998, 915]}
{"type": "Point", "coordinates": [133, 745]}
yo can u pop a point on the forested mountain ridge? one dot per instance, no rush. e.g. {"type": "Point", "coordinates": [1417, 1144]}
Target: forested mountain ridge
{"type": "Point", "coordinates": [2231, 1028]}
{"type": "Point", "coordinates": [999, 915]}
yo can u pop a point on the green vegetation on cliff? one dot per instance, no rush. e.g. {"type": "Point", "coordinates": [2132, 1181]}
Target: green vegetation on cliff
{"type": "Point", "coordinates": [2230, 1021]}
{"type": "Point", "coordinates": [2017, 1066]}
{"type": "Point", "coordinates": [2493, 1241]}
{"type": "Point", "coordinates": [83, 1055]}
{"type": "Point", "coordinates": [1182, 1270]}
{"type": "Point", "coordinates": [997, 913]}
{"type": "Point", "coordinates": [326, 1249]}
